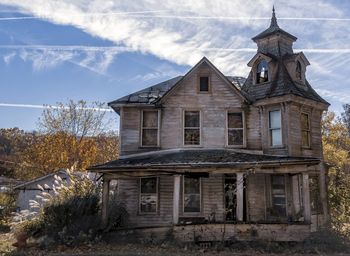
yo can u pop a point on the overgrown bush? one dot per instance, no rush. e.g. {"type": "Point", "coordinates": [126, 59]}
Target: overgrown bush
{"type": "Point", "coordinates": [117, 214]}
{"type": "Point", "coordinates": [70, 213]}
{"type": "Point", "coordinates": [7, 204]}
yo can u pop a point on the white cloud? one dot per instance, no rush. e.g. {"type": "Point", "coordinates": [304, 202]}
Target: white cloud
{"type": "Point", "coordinates": [9, 57]}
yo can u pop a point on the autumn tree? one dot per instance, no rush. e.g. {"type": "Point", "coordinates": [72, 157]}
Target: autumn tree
{"type": "Point", "coordinates": [75, 134]}
{"type": "Point", "coordinates": [336, 148]}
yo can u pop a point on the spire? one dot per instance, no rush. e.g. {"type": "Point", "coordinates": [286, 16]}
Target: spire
{"type": "Point", "coordinates": [273, 19]}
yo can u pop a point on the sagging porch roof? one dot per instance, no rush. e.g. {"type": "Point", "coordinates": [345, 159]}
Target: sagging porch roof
{"type": "Point", "coordinates": [199, 158]}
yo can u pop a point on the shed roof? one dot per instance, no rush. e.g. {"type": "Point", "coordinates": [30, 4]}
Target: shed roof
{"type": "Point", "coordinates": [198, 158]}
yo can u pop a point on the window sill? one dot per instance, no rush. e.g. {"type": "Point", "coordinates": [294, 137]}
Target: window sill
{"type": "Point", "coordinates": [192, 146]}
{"type": "Point", "coordinates": [235, 146]}
{"type": "Point", "coordinates": [149, 147]}
{"type": "Point", "coordinates": [147, 213]}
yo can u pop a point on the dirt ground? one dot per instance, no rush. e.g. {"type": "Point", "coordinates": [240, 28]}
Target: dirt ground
{"type": "Point", "coordinates": [166, 249]}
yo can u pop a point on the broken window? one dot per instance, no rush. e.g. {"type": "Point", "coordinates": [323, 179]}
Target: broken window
{"type": "Point", "coordinates": [315, 199]}
{"type": "Point", "coordinates": [204, 84]}
{"type": "Point", "coordinates": [148, 194]}
{"type": "Point", "coordinates": [192, 128]}
{"type": "Point", "coordinates": [298, 71]}
{"type": "Point", "coordinates": [149, 128]}
{"type": "Point", "coordinates": [235, 129]}
{"type": "Point", "coordinates": [192, 194]}
{"type": "Point", "coordinates": [262, 72]}
{"type": "Point", "coordinates": [230, 198]}
{"type": "Point", "coordinates": [278, 195]}
{"type": "Point", "coordinates": [305, 130]}
{"type": "Point", "coordinates": [275, 128]}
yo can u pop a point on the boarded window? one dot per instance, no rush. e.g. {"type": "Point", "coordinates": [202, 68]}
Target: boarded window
{"type": "Point", "coordinates": [149, 128]}
{"type": "Point", "coordinates": [305, 130]}
{"type": "Point", "coordinates": [278, 195]}
{"type": "Point", "coordinates": [275, 128]}
{"type": "Point", "coordinates": [192, 194]}
{"type": "Point", "coordinates": [235, 129]}
{"type": "Point", "coordinates": [204, 84]}
{"type": "Point", "coordinates": [148, 195]}
{"type": "Point", "coordinates": [315, 199]}
{"type": "Point", "coordinates": [262, 72]}
{"type": "Point", "coordinates": [192, 128]}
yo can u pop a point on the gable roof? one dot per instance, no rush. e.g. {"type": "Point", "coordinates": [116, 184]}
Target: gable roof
{"type": "Point", "coordinates": [281, 84]}
{"type": "Point", "coordinates": [273, 29]}
{"type": "Point", "coordinates": [155, 93]}
{"type": "Point", "coordinates": [60, 171]}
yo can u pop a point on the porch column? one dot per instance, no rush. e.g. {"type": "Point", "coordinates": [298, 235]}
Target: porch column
{"type": "Point", "coordinates": [105, 199]}
{"type": "Point", "coordinates": [176, 199]}
{"type": "Point", "coordinates": [306, 198]}
{"type": "Point", "coordinates": [239, 196]}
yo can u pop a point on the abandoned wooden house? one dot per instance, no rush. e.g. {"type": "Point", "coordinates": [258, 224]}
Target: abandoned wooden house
{"type": "Point", "coordinates": [207, 155]}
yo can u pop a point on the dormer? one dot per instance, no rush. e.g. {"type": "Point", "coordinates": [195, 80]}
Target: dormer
{"type": "Point", "coordinates": [262, 68]}
{"type": "Point", "coordinates": [296, 65]}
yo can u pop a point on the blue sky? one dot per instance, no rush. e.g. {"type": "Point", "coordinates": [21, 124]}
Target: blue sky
{"type": "Point", "coordinates": [53, 51]}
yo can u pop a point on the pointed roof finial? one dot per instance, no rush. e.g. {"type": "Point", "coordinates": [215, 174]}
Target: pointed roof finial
{"type": "Point", "coordinates": [273, 19]}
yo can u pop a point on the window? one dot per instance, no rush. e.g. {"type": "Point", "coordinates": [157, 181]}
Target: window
{"type": "Point", "coordinates": [262, 72]}
{"type": "Point", "coordinates": [235, 129]}
{"type": "Point", "coordinates": [305, 130]}
{"type": "Point", "coordinates": [275, 128]}
{"type": "Point", "coordinates": [315, 199]}
{"type": "Point", "coordinates": [298, 71]}
{"type": "Point", "coordinates": [148, 195]}
{"type": "Point", "coordinates": [204, 84]}
{"type": "Point", "coordinates": [278, 195]}
{"type": "Point", "coordinates": [192, 128]}
{"type": "Point", "coordinates": [149, 128]}
{"type": "Point", "coordinates": [192, 194]}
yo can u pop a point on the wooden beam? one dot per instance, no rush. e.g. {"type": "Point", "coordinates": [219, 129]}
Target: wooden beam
{"type": "Point", "coordinates": [306, 198]}
{"type": "Point", "coordinates": [105, 199]}
{"type": "Point", "coordinates": [239, 196]}
{"type": "Point", "coordinates": [176, 199]}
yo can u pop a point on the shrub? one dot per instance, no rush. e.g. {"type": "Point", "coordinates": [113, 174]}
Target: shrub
{"type": "Point", "coordinates": [71, 213]}
{"type": "Point", "coordinates": [117, 214]}
{"type": "Point", "coordinates": [7, 204]}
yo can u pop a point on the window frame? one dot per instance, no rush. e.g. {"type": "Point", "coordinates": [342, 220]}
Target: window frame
{"type": "Point", "coordinates": [152, 128]}
{"type": "Point", "coordinates": [184, 128]}
{"type": "Point", "coordinates": [183, 196]}
{"type": "Point", "coordinates": [256, 71]}
{"type": "Point", "coordinates": [285, 196]}
{"type": "Point", "coordinates": [243, 129]}
{"type": "Point", "coordinates": [272, 129]}
{"type": "Point", "coordinates": [140, 212]}
{"type": "Point", "coordinates": [199, 83]}
{"type": "Point", "coordinates": [308, 131]}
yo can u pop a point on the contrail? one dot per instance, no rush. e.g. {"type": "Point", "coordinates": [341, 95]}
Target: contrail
{"type": "Point", "coordinates": [124, 48]}
{"type": "Point", "coordinates": [50, 106]}
{"type": "Point", "coordinates": [184, 17]}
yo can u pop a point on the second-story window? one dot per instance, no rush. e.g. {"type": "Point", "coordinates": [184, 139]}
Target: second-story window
{"type": "Point", "coordinates": [191, 128]}
{"type": "Point", "coordinates": [262, 74]}
{"type": "Point", "coordinates": [149, 132]}
{"type": "Point", "coordinates": [305, 130]}
{"type": "Point", "coordinates": [235, 129]}
{"type": "Point", "coordinates": [275, 128]}
{"type": "Point", "coordinates": [204, 84]}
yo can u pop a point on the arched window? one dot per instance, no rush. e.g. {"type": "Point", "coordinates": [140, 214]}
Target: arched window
{"type": "Point", "coordinates": [298, 71]}
{"type": "Point", "coordinates": [262, 72]}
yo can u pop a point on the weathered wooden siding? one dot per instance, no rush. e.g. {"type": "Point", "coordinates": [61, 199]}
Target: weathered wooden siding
{"type": "Point", "coordinates": [256, 197]}
{"type": "Point", "coordinates": [253, 124]}
{"type": "Point", "coordinates": [213, 107]}
{"type": "Point", "coordinates": [129, 194]}
{"type": "Point", "coordinates": [129, 130]}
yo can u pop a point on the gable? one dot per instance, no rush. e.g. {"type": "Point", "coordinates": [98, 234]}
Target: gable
{"type": "Point", "coordinates": [219, 85]}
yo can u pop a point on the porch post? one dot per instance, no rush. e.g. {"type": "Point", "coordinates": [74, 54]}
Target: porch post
{"type": "Point", "coordinates": [176, 199]}
{"type": "Point", "coordinates": [306, 198]}
{"type": "Point", "coordinates": [239, 196]}
{"type": "Point", "coordinates": [105, 199]}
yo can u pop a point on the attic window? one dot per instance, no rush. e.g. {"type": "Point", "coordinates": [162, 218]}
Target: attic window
{"type": "Point", "coordinates": [204, 84]}
{"type": "Point", "coordinates": [298, 71]}
{"type": "Point", "coordinates": [262, 72]}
